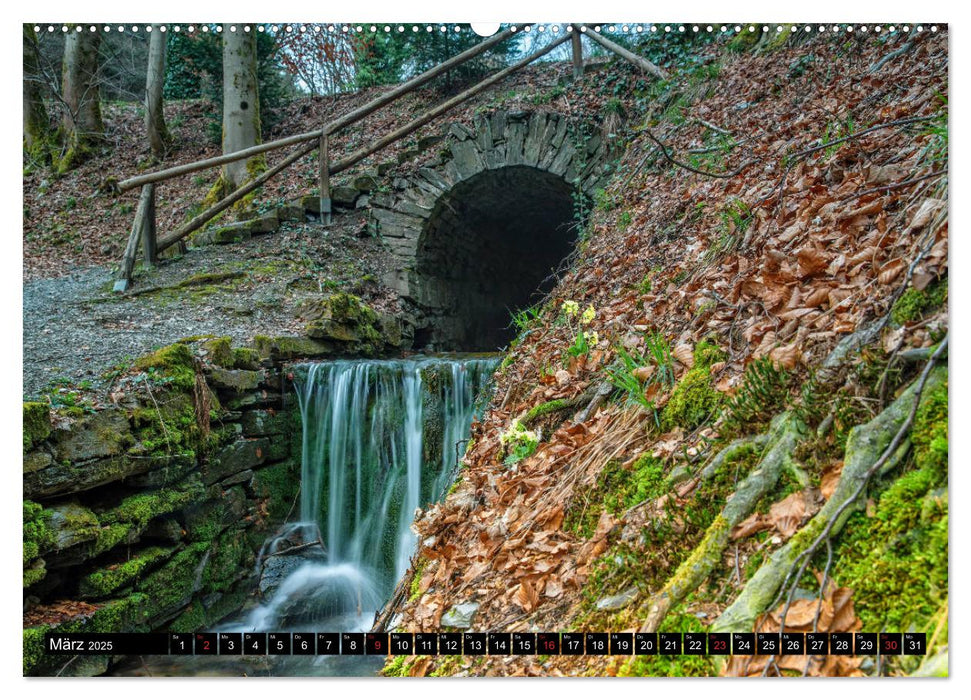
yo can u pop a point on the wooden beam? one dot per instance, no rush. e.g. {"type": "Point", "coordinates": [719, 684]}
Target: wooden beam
{"type": "Point", "coordinates": [577, 54]}
{"type": "Point", "coordinates": [339, 123]}
{"type": "Point", "coordinates": [360, 155]}
{"type": "Point", "coordinates": [324, 177]}
{"type": "Point", "coordinates": [149, 240]}
{"type": "Point", "coordinates": [229, 201]}
{"type": "Point", "coordinates": [638, 61]}
{"type": "Point", "coordinates": [131, 249]}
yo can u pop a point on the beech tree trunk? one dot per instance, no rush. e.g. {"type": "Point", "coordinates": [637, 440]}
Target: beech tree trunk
{"type": "Point", "coordinates": [158, 135]}
{"type": "Point", "coordinates": [241, 105]}
{"type": "Point", "coordinates": [36, 123]}
{"type": "Point", "coordinates": [82, 122]}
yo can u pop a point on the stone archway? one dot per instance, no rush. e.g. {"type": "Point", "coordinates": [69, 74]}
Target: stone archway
{"type": "Point", "coordinates": [477, 236]}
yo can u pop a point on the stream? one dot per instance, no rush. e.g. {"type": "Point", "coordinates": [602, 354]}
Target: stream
{"type": "Point", "coordinates": [380, 439]}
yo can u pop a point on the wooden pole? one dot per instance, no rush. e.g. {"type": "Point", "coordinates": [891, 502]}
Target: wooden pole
{"type": "Point", "coordinates": [577, 54]}
{"type": "Point", "coordinates": [148, 235]}
{"type": "Point", "coordinates": [340, 123]}
{"type": "Point", "coordinates": [325, 204]}
{"type": "Point", "coordinates": [223, 204]}
{"type": "Point", "coordinates": [360, 155]}
{"type": "Point", "coordinates": [638, 61]}
{"type": "Point", "coordinates": [131, 249]}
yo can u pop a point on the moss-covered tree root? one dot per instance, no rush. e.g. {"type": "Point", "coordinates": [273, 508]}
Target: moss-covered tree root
{"type": "Point", "coordinates": [876, 445]}
{"type": "Point", "coordinates": [786, 433]}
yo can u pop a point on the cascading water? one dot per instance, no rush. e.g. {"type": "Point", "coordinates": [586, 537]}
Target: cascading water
{"type": "Point", "coordinates": [381, 438]}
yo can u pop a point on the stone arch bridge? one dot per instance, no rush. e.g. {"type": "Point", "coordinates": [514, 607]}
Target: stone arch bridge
{"type": "Point", "coordinates": [480, 234]}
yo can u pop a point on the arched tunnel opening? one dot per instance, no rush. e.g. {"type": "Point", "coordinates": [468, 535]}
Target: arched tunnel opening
{"type": "Point", "coordinates": [490, 248]}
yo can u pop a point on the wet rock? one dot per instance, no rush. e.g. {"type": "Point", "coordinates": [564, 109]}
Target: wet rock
{"type": "Point", "coordinates": [365, 183]}
{"type": "Point", "coordinates": [237, 457]}
{"type": "Point", "coordinates": [460, 616]}
{"type": "Point", "coordinates": [72, 524]}
{"type": "Point", "coordinates": [277, 568]}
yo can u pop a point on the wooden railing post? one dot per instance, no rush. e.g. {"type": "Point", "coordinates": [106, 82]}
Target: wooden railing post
{"type": "Point", "coordinates": [142, 228]}
{"type": "Point", "coordinates": [149, 236]}
{"type": "Point", "coordinates": [577, 54]}
{"type": "Point", "coordinates": [324, 156]}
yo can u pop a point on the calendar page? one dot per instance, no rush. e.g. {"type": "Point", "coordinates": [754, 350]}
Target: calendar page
{"type": "Point", "coordinates": [449, 349]}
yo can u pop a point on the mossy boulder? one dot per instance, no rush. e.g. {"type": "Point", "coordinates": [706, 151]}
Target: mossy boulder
{"type": "Point", "coordinates": [140, 508]}
{"type": "Point", "coordinates": [171, 587]}
{"type": "Point", "coordinates": [238, 381]}
{"type": "Point", "coordinates": [37, 423]}
{"type": "Point", "coordinates": [290, 347]}
{"type": "Point", "coordinates": [344, 319]}
{"type": "Point", "coordinates": [220, 352]}
{"type": "Point", "coordinates": [246, 358]}
{"type": "Point", "coordinates": [173, 364]}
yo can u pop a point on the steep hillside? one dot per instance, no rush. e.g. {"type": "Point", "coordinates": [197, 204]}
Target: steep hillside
{"type": "Point", "coordinates": [732, 409]}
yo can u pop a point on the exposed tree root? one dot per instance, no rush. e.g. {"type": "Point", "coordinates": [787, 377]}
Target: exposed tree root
{"type": "Point", "coordinates": [786, 433]}
{"type": "Point", "coordinates": [871, 448]}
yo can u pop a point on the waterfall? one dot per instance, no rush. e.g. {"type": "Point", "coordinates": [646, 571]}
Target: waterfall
{"type": "Point", "coordinates": [381, 438]}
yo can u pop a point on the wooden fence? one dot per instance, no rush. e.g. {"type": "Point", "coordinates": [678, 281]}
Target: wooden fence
{"type": "Point", "coordinates": [143, 231]}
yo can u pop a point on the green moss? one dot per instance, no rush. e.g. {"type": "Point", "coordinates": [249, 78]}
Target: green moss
{"type": "Point", "coordinates": [169, 427]}
{"type": "Point", "coordinates": [277, 486]}
{"type": "Point", "coordinates": [414, 591]}
{"type": "Point", "coordinates": [346, 319]}
{"type": "Point", "coordinates": [38, 535]}
{"type": "Point", "coordinates": [694, 399]}
{"type": "Point", "coordinates": [398, 666]}
{"type": "Point", "coordinates": [36, 572]}
{"type": "Point", "coordinates": [105, 581]}
{"type": "Point", "coordinates": [174, 362]}
{"type": "Point", "coordinates": [664, 666]}
{"type": "Point", "coordinates": [897, 561]}
{"type": "Point", "coordinates": [172, 584]}
{"type": "Point", "coordinates": [617, 489]}
{"type": "Point", "coordinates": [111, 535]}
{"type": "Point", "coordinates": [246, 358]}
{"type": "Point", "coordinates": [913, 305]}
{"type": "Point", "coordinates": [289, 347]}
{"type": "Point", "coordinates": [220, 352]}
{"type": "Point", "coordinates": [140, 508]}
{"type": "Point", "coordinates": [229, 553]}
{"type": "Point", "coordinates": [930, 436]}
{"type": "Point", "coordinates": [744, 41]}
{"type": "Point", "coordinates": [33, 654]}
{"type": "Point", "coordinates": [37, 423]}
{"type": "Point", "coordinates": [543, 409]}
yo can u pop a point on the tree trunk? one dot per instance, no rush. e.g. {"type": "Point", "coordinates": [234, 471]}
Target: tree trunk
{"type": "Point", "coordinates": [241, 105]}
{"type": "Point", "coordinates": [80, 91]}
{"type": "Point", "coordinates": [158, 135]}
{"type": "Point", "coordinates": [37, 134]}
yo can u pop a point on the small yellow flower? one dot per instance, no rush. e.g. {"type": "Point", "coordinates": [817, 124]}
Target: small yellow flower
{"type": "Point", "coordinates": [570, 308]}
{"type": "Point", "coordinates": [591, 337]}
{"type": "Point", "coordinates": [588, 315]}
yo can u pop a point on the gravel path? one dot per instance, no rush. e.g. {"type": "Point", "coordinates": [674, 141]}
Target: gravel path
{"type": "Point", "coordinates": [75, 328]}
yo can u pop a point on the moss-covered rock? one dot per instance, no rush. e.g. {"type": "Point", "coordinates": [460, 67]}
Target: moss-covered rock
{"type": "Point", "coordinates": [172, 586]}
{"type": "Point", "coordinates": [220, 352]}
{"type": "Point", "coordinates": [140, 508]}
{"type": "Point", "coordinates": [108, 579]}
{"type": "Point", "coordinates": [237, 381]}
{"type": "Point", "coordinates": [343, 318]}
{"type": "Point", "coordinates": [930, 435]}
{"type": "Point", "coordinates": [174, 364]}
{"type": "Point", "coordinates": [277, 486]}
{"type": "Point", "coordinates": [291, 347]}
{"type": "Point", "coordinates": [38, 535]}
{"type": "Point", "coordinates": [246, 358]}
{"type": "Point", "coordinates": [103, 434]}
{"type": "Point", "coordinates": [37, 423]}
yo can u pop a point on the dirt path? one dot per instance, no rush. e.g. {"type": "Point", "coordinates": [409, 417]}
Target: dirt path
{"type": "Point", "coordinates": [76, 329]}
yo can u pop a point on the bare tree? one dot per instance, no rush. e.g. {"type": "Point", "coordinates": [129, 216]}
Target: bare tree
{"type": "Point", "coordinates": [37, 126]}
{"type": "Point", "coordinates": [82, 123]}
{"type": "Point", "coordinates": [158, 135]}
{"type": "Point", "coordinates": [241, 105]}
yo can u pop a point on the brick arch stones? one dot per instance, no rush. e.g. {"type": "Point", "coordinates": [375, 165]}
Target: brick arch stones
{"type": "Point", "coordinates": [480, 234]}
